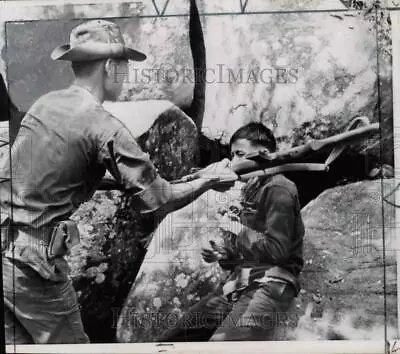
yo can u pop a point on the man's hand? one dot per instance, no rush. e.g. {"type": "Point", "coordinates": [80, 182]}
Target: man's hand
{"type": "Point", "coordinates": [214, 254]}
{"type": "Point", "coordinates": [221, 177]}
{"type": "Point", "coordinates": [217, 176]}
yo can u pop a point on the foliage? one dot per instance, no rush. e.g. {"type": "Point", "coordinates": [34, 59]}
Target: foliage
{"type": "Point", "coordinates": [373, 12]}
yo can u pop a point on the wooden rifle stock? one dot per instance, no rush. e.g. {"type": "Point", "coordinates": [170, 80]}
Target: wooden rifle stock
{"type": "Point", "coordinates": [262, 164]}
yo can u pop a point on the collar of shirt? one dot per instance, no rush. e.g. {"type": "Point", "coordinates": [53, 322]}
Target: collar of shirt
{"type": "Point", "coordinates": [252, 186]}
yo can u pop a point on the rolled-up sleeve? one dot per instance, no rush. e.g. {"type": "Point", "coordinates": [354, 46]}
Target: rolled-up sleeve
{"type": "Point", "coordinates": [132, 168]}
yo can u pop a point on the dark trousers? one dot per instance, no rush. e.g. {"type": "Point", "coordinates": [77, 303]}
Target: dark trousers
{"type": "Point", "coordinates": [256, 314]}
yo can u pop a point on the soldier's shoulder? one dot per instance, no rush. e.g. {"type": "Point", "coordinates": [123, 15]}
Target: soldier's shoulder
{"type": "Point", "coordinates": [47, 98]}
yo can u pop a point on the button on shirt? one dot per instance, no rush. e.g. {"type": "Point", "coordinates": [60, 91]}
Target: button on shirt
{"type": "Point", "coordinates": [66, 142]}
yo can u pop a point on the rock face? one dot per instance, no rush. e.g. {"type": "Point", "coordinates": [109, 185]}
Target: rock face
{"type": "Point", "coordinates": [114, 236]}
{"type": "Point", "coordinates": [343, 276]}
{"type": "Point", "coordinates": [287, 70]}
{"type": "Point", "coordinates": [342, 280]}
{"type": "Point", "coordinates": [294, 71]}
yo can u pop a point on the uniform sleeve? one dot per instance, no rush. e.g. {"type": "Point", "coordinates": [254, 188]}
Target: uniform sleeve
{"type": "Point", "coordinates": [274, 244]}
{"type": "Point", "coordinates": [132, 168]}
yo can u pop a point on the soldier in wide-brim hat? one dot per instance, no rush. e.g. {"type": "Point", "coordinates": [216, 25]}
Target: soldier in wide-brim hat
{"type": "Point", "coordinates": [66, 142]}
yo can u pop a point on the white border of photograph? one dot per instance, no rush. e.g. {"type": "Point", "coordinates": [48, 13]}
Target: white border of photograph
{"type": "Point", "coordinates": [309, 347]}
{"type": "Point", "coordinates": [395, 18]}
{"type": "Point", "coordinates": [12, 11]}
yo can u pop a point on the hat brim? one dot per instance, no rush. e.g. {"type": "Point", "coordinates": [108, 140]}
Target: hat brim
{"type": "Point", "coordinates": [96, 51]}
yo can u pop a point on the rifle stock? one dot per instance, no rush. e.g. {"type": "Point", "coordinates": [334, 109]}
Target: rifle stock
{"type": "Point", "coordinates": [261, 163]}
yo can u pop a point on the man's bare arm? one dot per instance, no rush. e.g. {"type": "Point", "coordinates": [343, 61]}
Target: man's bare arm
{"type": "Point", "coordinates": [182, 194]}
{"type": "Point", "coordinates": [217, 176]}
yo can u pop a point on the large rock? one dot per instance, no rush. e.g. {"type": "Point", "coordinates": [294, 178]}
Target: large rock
{"type": "Point", "coordinates": [173, 276]}
{"type": "Point", "coordinates": [114, 236]}
{"type": "Point", "coordinates": [286, 70]}
{"type": "Point", "coordinates": [343, 278]}
{"type": "Point", "coordinates": [293, 72]}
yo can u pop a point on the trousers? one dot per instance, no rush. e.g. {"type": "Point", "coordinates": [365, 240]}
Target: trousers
{"type": "Point", "coordinates": [257, 313]}
{"type": "Point", "coordinates": [38, 310]}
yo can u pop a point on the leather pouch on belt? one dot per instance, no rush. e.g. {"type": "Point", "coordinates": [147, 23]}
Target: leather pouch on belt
{"type": "Point", "coordinates": [5, 234]}
{"type": "Point", "coordinates": [65, 235]}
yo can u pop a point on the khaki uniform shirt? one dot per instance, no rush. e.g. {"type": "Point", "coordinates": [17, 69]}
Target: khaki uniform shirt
{"type": "Point", "coordinates": [66, 143]}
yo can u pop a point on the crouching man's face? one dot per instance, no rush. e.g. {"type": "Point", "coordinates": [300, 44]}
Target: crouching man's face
{"type": "Point", "coordinates": [242, 147]}
{"type": "Point", "coordinates": [116, 76]}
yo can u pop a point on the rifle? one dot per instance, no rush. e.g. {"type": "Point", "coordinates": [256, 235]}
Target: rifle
{"type": "Point", "coordinates": [263, 163]}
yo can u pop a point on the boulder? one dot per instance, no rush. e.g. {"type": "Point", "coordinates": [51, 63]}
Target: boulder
{"type": "Point", "coordinates": [173, 276]}
{"type": "Point", "coordinates": [294, 72]}
{"type": "Point", "coordinates": [139, 116]}
{"type": "Point", "coordinates": [350, 243]}
{"type": "Point", "coordinates": [113, 236]}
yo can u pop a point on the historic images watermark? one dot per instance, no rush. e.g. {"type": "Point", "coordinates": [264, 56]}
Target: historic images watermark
{"type": "Point", "coordinates": [218, 74]}
{"type": "Point", "coordinates": [362, 234]}
{"type": "Point", "coordinates": [198, 320]}
{"type": "Point", "coordinates": [371, 233]}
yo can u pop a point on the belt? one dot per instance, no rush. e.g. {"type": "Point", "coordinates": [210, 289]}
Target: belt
{"type": "Point", "coordinates": [55, 240]}
{"type": "Point", "coordinates": [28, 237]}
{"type": "Point", "coordinates": [281, 273]}
{"type": "Point", "coordinates": [43, 249]}
{"type": "Point", "coordinates": [242, 280]}
{"type": "Point", "coordinates": [235, 295]}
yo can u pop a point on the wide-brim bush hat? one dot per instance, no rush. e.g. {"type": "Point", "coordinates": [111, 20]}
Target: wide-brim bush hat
{"type": "Point", "coordinates": [95, 40]}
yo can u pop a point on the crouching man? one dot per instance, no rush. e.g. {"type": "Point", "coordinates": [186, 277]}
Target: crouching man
{"type": "Point", "coordinates": [264, 252]}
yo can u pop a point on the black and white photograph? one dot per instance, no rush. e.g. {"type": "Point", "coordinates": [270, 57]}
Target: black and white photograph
{"type": "Point", "coordinates": [190, 171]}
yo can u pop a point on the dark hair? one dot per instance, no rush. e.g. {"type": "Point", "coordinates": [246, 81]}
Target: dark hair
{"type": "Point", "coordinates": [257, 134]}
